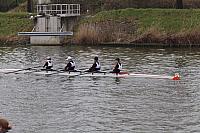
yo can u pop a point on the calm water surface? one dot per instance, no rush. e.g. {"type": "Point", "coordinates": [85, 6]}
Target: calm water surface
{"type": "Point", "coordinates": [60, 104]}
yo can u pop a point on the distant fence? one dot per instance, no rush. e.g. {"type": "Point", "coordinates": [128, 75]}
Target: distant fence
{"type": "Point", "coordinates": [59, 9]}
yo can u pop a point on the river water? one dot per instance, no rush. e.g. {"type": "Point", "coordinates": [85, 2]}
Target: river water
{"type": "Point", "coordinates": [60, 104]}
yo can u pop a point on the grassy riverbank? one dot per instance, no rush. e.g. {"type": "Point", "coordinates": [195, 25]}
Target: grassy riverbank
{"type": "Point", "coordinates": [11, 24]}
{"type": "Point", "coordinates": [141, 26]}
{"type": "Point", "coordinates": [126, 26]}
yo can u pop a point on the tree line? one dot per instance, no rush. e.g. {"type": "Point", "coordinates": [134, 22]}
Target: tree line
{"type": "Point", "coordinates": [98, 5]}
{"type": "Point", "coordinates": [6, 5]}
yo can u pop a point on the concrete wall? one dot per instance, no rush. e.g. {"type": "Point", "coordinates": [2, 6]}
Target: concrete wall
{"type": "Point", "coordinates": [43, 1]}
{"type": "Point", "coordinates": [68, 23]}
{"type": "Point", "coordinates": [48, 24]}
{"type": "Point", "coordinates": [46, 40]}
{"type": "Point", "coordinates": [41, 25]}
{"type": "Point", "coordinates": [54, 24]}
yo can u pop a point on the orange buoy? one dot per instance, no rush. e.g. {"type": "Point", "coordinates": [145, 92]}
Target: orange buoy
{"type": "Point", "coordinates": [176, 77]}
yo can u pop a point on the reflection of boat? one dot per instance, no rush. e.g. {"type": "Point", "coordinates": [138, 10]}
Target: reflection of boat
{"type": "Point", "coordinates": [85, 74]}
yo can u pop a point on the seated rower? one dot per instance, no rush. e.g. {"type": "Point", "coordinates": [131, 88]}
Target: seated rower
{"type": "Point", "coordinates": [70, 65]}
{"type": "Point", "coordinates": [176, 77]}
{"type": "Point", "coordinates": [48, 65]}
{"type": "Point", "coordinates": [118, 66]}
{"type": "Point", "coordinates": [96, 66]}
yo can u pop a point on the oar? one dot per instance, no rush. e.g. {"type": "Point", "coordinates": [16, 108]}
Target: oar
{"type": "Point", "coordinates": [63, 71]}
{"type": "Point", "coordinates": [81, 71]}
{"type": "Point", "coordinates": [23, 69]}
{"type": "Point", "coordinates": [87, 72]}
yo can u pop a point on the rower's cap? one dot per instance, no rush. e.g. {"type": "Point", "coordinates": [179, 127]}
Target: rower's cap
{"type": "Point", "coordinates": [48, 58]}
{"type": "Point", "coordinates": [69, 58]}
{"type": "Point", "coordinates": [96, 58]}
{"type": "Point", "coordinates": [117, 59]}
{"type": "Point", "coordinates": [177, 75]}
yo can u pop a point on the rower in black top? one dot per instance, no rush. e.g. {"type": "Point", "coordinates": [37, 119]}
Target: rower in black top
{"type": "Point", "coordinates": [70, 65]}
{"type": "Point", "coordinates": [96, 66]}
{"type": "Point", "coordinates": [118, 66]}
{"type": "Point", "coordinates": [48, 65]}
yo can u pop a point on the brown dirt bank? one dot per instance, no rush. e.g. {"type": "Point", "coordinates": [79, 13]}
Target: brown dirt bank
{"type": "Point", "coordinates": [114, 37]}
{"type": "Point", "coordinates": [180, 38]}
{"type": "Point", "coordinates": [120, 32]}
{"type": "Point", "coordinates": [106, 31]}
{"type": "Point", "coordinates": [13, 40]}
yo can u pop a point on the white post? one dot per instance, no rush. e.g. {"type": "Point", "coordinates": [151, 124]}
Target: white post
{"type": "Point", "coordinates": [72, 9]}
{"type": "Point", "coordinates": [61, 9]}
{"type": "Point", "coordinates": [67, 9]}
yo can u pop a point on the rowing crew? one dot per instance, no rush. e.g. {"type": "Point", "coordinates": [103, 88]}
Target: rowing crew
{"type": "Point", "coordinates": [94, 68]}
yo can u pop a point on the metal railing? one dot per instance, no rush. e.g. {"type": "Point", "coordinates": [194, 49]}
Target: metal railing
{"type": "Point", "coordinates": [33, 29]}
{"type": "Point", "coordinates": [59, 9]}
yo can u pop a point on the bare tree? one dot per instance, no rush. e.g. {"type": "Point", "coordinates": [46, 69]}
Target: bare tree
{"type": "Point", "coordinates": [179, 4]}
{"type": "Point", "coordinates": [17, 2]}
{"type": "Point", "coordinates": [30, 6]}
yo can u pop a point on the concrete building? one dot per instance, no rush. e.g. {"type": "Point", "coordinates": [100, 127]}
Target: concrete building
{"type": "Point", "coordinates": [53, 22]}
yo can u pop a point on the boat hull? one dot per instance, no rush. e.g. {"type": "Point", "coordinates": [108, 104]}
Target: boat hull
{"type": "Point", "coordinates": [82, 74]}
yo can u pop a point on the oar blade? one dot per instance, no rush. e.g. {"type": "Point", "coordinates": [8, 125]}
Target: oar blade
{"type": "Point", "coordinates": [22, 70]}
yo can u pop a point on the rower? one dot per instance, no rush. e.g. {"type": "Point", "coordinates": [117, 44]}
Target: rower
{"type": "Point", "coordinates": [96, 65]}
{"type": "Point", "coordinates": [118, 66]}
{"type": "Point", "coordinates": [176, 77]}
{"type": "Point", "coordinates": [70, 65]}
{"type": "Point", "coordinates": [48, 65]}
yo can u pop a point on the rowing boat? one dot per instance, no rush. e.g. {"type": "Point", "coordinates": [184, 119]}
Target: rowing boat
{"type": "Point", "coordinates": [84, 74]}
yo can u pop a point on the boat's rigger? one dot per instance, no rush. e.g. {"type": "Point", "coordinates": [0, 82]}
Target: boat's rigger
{"type": "Point", "coordinates": [84, 74]}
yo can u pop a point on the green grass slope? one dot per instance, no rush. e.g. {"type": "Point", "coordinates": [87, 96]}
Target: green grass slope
{"type": "Point", "coordinates": [11, 23]}
{"type": "Point", "coordinates": [166, 20]}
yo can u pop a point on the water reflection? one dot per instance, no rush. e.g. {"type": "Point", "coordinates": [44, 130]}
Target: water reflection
{"type": "Point", "coordinates": [117, 80]}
